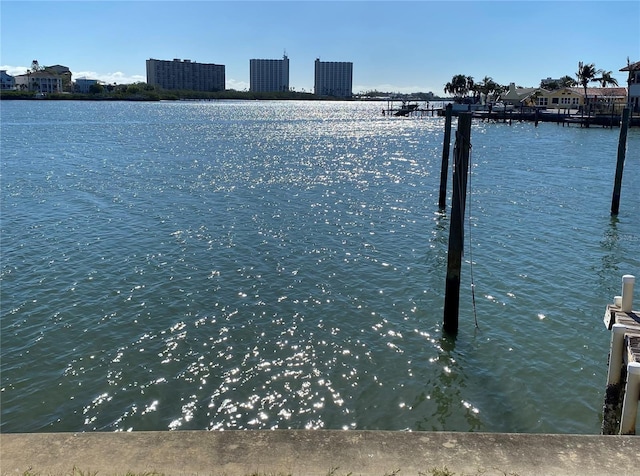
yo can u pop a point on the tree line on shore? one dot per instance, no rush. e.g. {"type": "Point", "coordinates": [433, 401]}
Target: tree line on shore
{"type": "Point", "coordinates": [462, 86]}
{"type": "Point", "coordinates": [144, 92]}
{"type": "Point", "coordinates": [141, 91]}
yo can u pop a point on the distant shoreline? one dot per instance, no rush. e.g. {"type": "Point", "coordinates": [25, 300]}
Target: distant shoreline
{"type": "Point", "coordinates": [153, 96]}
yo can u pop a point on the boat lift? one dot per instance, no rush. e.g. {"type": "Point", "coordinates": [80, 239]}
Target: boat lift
{"type": "Point", "coordinates": [409, 108]}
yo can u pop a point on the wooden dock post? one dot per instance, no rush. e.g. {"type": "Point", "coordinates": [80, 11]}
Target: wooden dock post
{"type": "Point", "coordinates": [623, 377]}
{"type": "Point", "coordinates": [612, 408]}
{"type": "Point", "coordinates": [631, 397]}
{"type": "Point", "coordinates": [456, 231]}
{"type": "Point", "coordinates": [442, 200]}
{"type": "Point", "coordinates": [622, 151]}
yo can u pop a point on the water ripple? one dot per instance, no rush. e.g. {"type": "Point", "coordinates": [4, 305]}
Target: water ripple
{"type": "Point", "coordinates": [235, 265]}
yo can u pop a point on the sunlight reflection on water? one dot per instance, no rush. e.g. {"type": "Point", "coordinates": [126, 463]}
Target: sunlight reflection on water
{"type": "Point", "coordinates": [234, 265]}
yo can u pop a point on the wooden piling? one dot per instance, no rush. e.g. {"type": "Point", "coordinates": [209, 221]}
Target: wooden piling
{"type": "Point", "coordinates": [623, 375]}
{"type": "Point", "coordinates": [442, 200]}
{"type": "Point", "coordinates": [613, 399]}
{"type": "Point", "coordinates": [456, 231]}
{"type": "Point", "coordinates": [622, 150]}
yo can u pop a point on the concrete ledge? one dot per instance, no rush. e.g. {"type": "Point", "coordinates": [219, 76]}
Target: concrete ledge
{"type": "Point", "coordinates": [321, 452]}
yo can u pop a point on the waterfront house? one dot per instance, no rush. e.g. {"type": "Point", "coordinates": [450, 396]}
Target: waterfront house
{"type": "Point", "coordinates": [64, 72]}
{"type": "Point", "coordinates": [7, 82]}
{"type": "Point", "coordinates": [604, 99]}
{"type": "Point", "coordinates": [521, 96]}
{"type": "Point", "coordinates": [633, 82]}
{"type": "Point", "coordinates": [600, 99]}
{"type": "Point", "coordinates": [564, 98]}
{"type": "Point", "coordinates": [39, 81]}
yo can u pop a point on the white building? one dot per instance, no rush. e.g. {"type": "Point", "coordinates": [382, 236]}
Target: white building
{"type": "Point", "coordinates": [269, 75]}
{"type": "Point", "coordinates": [187, 75]}
{"type": "Point", "coordinates": [64, 72]}
{"type": "Point", "coordinates": [333, 78]}
{"type": "Point", "coordinates": [40, 81]}
{"type": "Point", "coordinates": [7, 82]}
{"type": "Point", "coordinates": [83, 85]}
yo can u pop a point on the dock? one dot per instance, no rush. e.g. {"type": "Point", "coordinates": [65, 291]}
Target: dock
{"type": "Point", "coordinates": [564, 117]}
{"type": "Point", "coordinates": [623, 377]}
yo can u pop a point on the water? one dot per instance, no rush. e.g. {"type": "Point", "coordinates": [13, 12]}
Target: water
{"type": "Point", "coordinates": [253, 265]}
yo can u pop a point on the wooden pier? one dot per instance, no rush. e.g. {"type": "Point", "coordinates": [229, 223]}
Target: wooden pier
{"type": "Point", "coordinates": [560, 117]}
{"type": "Point", "coordinates": [564, 117]}
{"type": "Point", "coordinates": [623, 378]}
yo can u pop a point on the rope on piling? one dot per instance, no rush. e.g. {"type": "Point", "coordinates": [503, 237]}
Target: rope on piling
{"type": "Point", "coordinates": [473, 285]}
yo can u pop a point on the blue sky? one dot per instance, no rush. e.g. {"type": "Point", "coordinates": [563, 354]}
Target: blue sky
{"type": "Point", "coordinates": [394, 45]}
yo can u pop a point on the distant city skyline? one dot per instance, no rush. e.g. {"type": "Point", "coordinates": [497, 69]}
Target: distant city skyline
{"type": "Point", "coordinates": [412, 46]}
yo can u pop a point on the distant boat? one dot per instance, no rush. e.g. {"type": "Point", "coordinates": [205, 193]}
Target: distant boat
{"type": "Point", "coordinates": [406, 109]}
{"type": "Point", "coordinates": [500, 106]}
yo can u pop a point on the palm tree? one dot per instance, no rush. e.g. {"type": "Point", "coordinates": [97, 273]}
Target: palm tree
{"type": "Point", "coordinates": [489, 87]}
{"type": "Point", "coordinates": [586, 74]}
{"type": "Point", "coordinates": [606, 79]}
{"type": "Point", "coordinates": [567, 82]}
{"type": "Point", "coordinates": [456, 86]}
{"type": "Point", "coordinates": [459, 86]}
{"type": "Point", "coordinates": [471, 85]}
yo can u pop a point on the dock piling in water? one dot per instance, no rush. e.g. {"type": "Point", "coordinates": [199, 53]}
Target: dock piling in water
{"type": "Point", "coordinates": [456, 230]}
{"type": "Point", "coordinates": [442, 199]}
{"type": "Point", "coordinates": [622, 150]}
{"type": "Point", "coordinates": [626, 303]}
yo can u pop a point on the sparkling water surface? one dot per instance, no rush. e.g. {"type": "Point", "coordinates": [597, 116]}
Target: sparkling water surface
{"type": "Point", "coordinates": [257, 265]}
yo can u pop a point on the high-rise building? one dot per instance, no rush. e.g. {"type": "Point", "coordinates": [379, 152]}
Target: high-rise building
{"type": "Point", "coordinates": [269, 75]}
{"type": "Point", "coordinates": [178, 74]}
{"type": "Point", "coordinates": [333, 78]}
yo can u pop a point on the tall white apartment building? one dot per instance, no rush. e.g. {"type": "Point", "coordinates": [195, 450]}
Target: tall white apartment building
{"type": "Point", "coordinates": [187, 74]}
{"type": "Point", "coordinates": [333, 78]}
{"type": "Point", "coordinates": [269, 75]}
